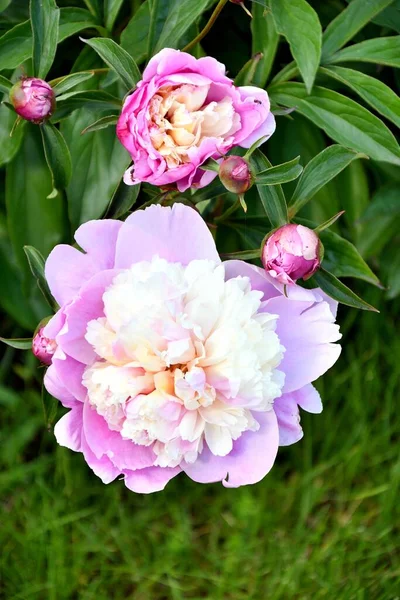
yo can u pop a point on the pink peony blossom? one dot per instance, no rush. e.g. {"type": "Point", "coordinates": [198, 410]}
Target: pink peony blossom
{"type": "Point", "coordinates": [33, 99]}
{"type": "Point", "coordinates": [43, 347]}
{"type": "Point", "coordinates": [171, 361]}
{"type": "Point", "coordinates": [292, 252]}
{"type": "Point", "coordinates": [183, 112]}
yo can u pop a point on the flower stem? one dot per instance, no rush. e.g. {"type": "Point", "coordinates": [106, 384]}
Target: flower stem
{"type": "Point", "coordinates": [207, 28]}
{"type": "Point", "coordinates": [233, 207]}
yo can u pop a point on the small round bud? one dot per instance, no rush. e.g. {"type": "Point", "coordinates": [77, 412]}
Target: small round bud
{"type": "Point", "coordinates": [43, 348]}
{"type": "Point", "coordinates": [292, 252]}
{"type": "Point", "coordinates": [235, 174]}
{"type": "Point", "coordinates": [33, 99]}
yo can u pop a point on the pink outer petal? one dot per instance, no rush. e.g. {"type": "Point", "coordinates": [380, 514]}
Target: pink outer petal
{"type": "Point", "coordinates": [102, 467]}
{"type": "Point", "coordinates": [259, 279]}
{"type": "Point", "coordinates": [252, 457]}
{"type": "Point", "coordinates": [178, 235]}
{"type": "Point", "coordinates": [170, 61]}
{"type": "Point", "coordinates": [287, 412]}
{"type": "Point", "coordinates": [54, 326]}
{"type": "Point", "coordinates": [54, 386]}
{"type": "Point", "coordinates": [99, 239]}
{"type": "Point", "coordinates": [153, 479]}
{"type": "Point", "coordinates": [124, 454]}
{"type": "Point", "coordinates": [88, 305]}
{"type": "Point", "coordinates": [68, 430]}
{"type": "Point", "coordinates": [308, 399]}
{"type": "Point", "coordinates": [69, 373]}
{"type": "Point", "coordinates": [66, 270]}
{"type": "Point", "coordinates": [307, 330]}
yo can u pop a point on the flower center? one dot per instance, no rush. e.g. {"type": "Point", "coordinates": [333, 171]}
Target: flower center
{"type": "Point", "coordinates": [181, 118]}
{"type": "Point", "coordinates": [184, 357]}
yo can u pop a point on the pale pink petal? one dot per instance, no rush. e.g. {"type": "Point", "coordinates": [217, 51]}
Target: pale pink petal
{"type": "Point", "coordinates": [68, 430]}
{"type": "Point", "coordinates": [259, 279]}
{"type": "Point", "coordinates": [252, 457]}
{"type": "Point", "coordinates": [102, 441]}
{"type": "Point", "coordinates": [66, 270]}
{"type": "Point", "coordinates": [54, 386]}
{"type": "Point", "coordinates": [178, 235]}
{"type": "Point", "coordinates": [69, 373]}
{"type": "Point", "coordinates": [99, 239]}
{"type": "Point", "coordinates": [102, 467]}
{"type": "Point", "coordinates": [152, 479]}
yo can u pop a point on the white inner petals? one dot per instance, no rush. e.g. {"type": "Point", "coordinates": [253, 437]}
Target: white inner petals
{"type": "Point", "coordinates": [180, 119]}
{"type": "Point", "coordinates": [184, 358]}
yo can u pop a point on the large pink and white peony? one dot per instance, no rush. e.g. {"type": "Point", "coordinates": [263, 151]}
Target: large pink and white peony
{"type": "Point", "coordinates": [170, 360]}
{"type": "Point", "coordinates": [183, 112]}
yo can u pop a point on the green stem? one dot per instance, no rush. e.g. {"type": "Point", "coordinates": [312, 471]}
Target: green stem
{"type": "Point", "coordinates": [233, 207]}
{"type": "Point", "coordinates": [207, 28]}
{"type": "Point", "coordinates": [291, 70]}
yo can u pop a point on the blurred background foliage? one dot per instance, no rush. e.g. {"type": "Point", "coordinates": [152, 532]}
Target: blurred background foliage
{"type": "Point", "coordinates": [325, 522]}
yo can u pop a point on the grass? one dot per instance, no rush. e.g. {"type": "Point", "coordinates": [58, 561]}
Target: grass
{"type": "Point", "coordinates": [323, 524]}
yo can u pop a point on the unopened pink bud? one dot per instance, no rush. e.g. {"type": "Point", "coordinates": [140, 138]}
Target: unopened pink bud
{"type": "Point", "coordinates": [292, 252]}
{"type": "Point", "coordinates": [33, 99]}
{"type": "Point", "coordinates": [235, 174]}
{"type": "Point", "coordinates": [43, 348]}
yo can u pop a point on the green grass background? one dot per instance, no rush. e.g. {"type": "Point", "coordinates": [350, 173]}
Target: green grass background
{"type": "Point", "coordinates": [323, 524]}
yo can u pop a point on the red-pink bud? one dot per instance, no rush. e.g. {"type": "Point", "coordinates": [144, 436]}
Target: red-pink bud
{"type": "Point", "coordinates": [235, 174]}
{"type": "Point", "coordinates": [43, 348]}
{"type": "Point", "coordinates": [33, 99]}
{"type": "Point", "coordinates": [292, 252]}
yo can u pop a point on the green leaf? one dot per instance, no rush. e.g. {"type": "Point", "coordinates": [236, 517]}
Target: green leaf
{"type": "Point", "coordinates": [16, 44]}
{"type": "Point", "coordinates": [9, 144]}
{"type": "Point", "coordinates": [36, 264]}
{"type": "Point", "coordinates": [181, 15]}
{"type": "Point", "coordinates": [111, 10]}
{"type": "Point", "coordinates": [299, 23]}
{"type": "Point", "coordinates": [45, 17]}
{"type": "Point", "coordinates": [242, 255]}
{"type": "Point", "coordinates": [247, 72]}
{"type": "Point", "coordinates": [344, 260]}
{"type": "Point", "coordinates": [135, 35]}
{"type": "Point", "coordinates": [321, 169]}
{"type": "Point", "coordinates": [272, 197]}
{"type": "Point", "coordinates": [375, 92]}
{"type": "Point", "coordinates": [63, 84]}
{"type": "Point", "coordinates": [89, 99]}
{"type": "Point", "coordinates": [5, 84]}
{"type": "Point", "coordinates": [57, 156]}
{"type": "Point", "coordinates": [102, 123]}
{"type": "Point", "coordinates": [50, 407]}
{"type": "Point", "coordinates": [98, 164]}
{"type": "Point", "coordinates": [339, 291]}
{"type": "Point", "coordinates": [328, 223]}
{"type": "Point", "coordinates": [383, 51]}
{"type": "Point", "coordinates": [349, 22]}
{"type": "Point", "coordinates": [280, 174]}
{"type": "Point", "coordinates": [33, 218]}
{"type": "Point", "coordinates": [117, 59]}
{"type": "Point", "coordinates": [265, 41]}
{"type": "Point", "coordinates": [381, 220]}
{"type": "Point", "coordinates": [123, 198]}
{"type": "Point", "coordinates": [18, 343]}
{"type": "Point", "coordinates": [342, 119]}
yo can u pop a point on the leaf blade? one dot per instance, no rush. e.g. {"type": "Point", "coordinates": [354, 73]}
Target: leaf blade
{"type": "Point", "coordinates": [339, 291]}
{"type": "Point", "coordinates": [117, 59]}
{"type": "Point", "coordinates": [272, 197]}
{"type": "Point", "coordinates": [280, 173]}
{"type": "Point", "coordinates": [57, 156]}
{"type": "Point", "coordinates": [45, 18]}
{"type": "Point", "coordinates": [382, 51]}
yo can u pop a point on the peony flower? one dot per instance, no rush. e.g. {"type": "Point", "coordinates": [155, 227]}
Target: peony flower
{"type": "Point", "coordinates": [170, 360]}
{"type": "Point", "coordinates": [33, 99]}
{"type": "Point", "coordinates": [43, 347]}
{"type": "Point", "coordinates": [183, 112]}
{"type": "Point", "coordinates": [292, 252]}
{"type": "Point", "coordinates": [235, 174]}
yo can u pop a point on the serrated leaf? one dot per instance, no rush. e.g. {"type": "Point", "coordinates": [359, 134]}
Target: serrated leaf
{"type": "Point", "coordinates": [299, 23]}
{"type": "Point", "coordinates": [57, 156]}
{"type": "Point", "coordinates": [18, 343]}
{"type": "Point", "coordinates": [117, 59]}
{"type": "Point", "coordinates": [382, 51]}
{"type": "Point", "coordinates": [321, 169]}
{"type": "Point", "coordinates": [272, 197]}
{"type": "Point", "coordinates": [280, 173]}
{"type": "Point", "coordinates": [339, 291]}
{"type": "Point", "coordinates": [377, 94]}
{"type": "Point", "coordinates": [348, 22]}
{"type": "Point", "coordinates": [63, 84]}
{"type": "Point", "coordinates": [45, 18]}
{"type": "Point", "coordinates": [344, 120]}
{"type": "Point", "coordinates": [265, 41]}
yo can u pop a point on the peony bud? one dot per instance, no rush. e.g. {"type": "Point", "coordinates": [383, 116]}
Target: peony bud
{"type": "Point", "coordinates": [43, 348]}
{"type": "Point", "coordinates": [235, 174]}
{"type": "Point", "coordinates": [292, 252]}
{"type": "Point", "coordinates": [33, 99]}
